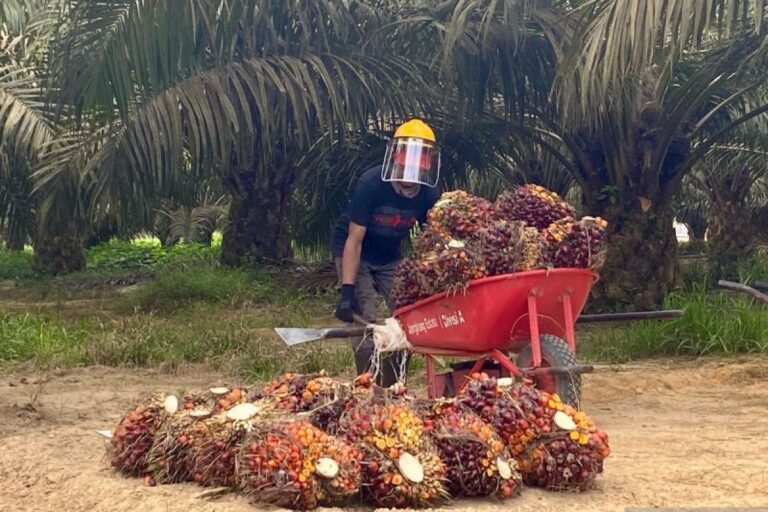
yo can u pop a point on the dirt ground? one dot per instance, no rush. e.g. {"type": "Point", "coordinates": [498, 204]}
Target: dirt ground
{"type": "Point", "coordinates": [683, 433]}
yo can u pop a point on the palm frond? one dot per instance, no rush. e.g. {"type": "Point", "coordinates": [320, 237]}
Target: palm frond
{"type": "Point", "coordinates": [25, 126]}
{"type": "Point", "coordinates": [622, 38]}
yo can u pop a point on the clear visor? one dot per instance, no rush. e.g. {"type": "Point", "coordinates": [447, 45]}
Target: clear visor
{"type": "Point", "coordinates": [412, 160]}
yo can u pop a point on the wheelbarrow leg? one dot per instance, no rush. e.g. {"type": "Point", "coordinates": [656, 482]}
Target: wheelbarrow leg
{"type": "Point", "coordinates": [533, 322]}
{"type": "Point", "coordinates": [431, 384]}
{"type": "Point", "coordinates": [570, 336]}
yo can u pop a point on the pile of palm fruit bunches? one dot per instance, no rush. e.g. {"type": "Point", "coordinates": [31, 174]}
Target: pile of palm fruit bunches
{"type": "Point", "coordinates": [304, 441]}
{"type": "Point", "coordinates": [468, 237]}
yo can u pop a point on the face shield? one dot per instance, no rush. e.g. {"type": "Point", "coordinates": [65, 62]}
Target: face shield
{"type": "Point", "coordinates": [412, 160]}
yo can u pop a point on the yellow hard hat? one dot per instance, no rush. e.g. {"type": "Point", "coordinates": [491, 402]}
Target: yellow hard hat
{"type": "Point", "coordinates": [415, 128]}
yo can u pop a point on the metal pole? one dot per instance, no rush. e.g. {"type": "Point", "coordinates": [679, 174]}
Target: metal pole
{"type": "Point", "coordinates": [624, 317]}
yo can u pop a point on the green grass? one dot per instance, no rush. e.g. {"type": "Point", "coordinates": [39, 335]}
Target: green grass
{"type": "Point", "coordinates": [32, 337]}
{"type": "Point", "coordinates": [189, 309]}
{"type": "Point", "coordinates": [713, 324]}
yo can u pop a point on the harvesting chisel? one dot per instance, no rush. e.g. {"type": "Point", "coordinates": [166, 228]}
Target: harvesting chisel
{"type": "Point", "coordinates": [296, 336]}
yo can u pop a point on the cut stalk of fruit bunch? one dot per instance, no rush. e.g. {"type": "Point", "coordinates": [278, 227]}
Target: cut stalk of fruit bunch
{"type": "Point", "coordinates": [171, 404]}
{"type": "Point", "coordinates": [564, 422]}
{"type": "Point", "coordinates": [410, 468]}
{"type": "Point", "coordinates": [242, 412]}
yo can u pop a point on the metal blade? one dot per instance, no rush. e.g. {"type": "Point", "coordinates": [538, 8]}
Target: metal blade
{"type": "Point", "coordinates": [296, 336]}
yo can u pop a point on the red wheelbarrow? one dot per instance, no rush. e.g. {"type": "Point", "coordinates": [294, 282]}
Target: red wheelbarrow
{"type": "Point", "coordinates": [528, 313]}
{"type": "Point", "coordinates": [531, 314]}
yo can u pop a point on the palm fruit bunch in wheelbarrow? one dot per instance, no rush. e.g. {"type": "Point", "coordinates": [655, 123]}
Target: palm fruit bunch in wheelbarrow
{"type": "Point", "coordinates": [296, 465]}
{"type": "Point", "coordinates": [534, 205]}
{"type": "Point", "coordinates": [556, 446]}
{"type": "Point", "coordinates": [457, 214]}
{"type": "Point", "coordinates": [448, 268]}
{"type": "Point", "coordinates": [468, 238]}
{"type": "Point", "coordinates": [577, 243]}
{"type": "Point", "coordinates": [478, 462]}
{"type": "Point", "coordinates": [401, 466]}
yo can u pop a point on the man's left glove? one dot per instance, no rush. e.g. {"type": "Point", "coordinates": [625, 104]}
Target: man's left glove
{"type": "Point", "coordinates": [347, 305]}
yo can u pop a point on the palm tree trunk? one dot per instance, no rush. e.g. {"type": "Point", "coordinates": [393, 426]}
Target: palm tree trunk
{"type": "Point", "coordinates": [641, 266]}
{"type": "Point", "coordinates": [732, 237]}
{"type": "Point", "coordinates": [14, 239]}
{"type": "Point", "coordinates": [258, 227]}
{"type": "Point", "coordinates": [59, 253]}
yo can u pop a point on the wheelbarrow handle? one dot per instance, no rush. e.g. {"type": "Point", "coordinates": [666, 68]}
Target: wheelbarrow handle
{"type": "Point", "coordinates": [729, 285]}
{"type": "Point", "coordinates": [625, 317]}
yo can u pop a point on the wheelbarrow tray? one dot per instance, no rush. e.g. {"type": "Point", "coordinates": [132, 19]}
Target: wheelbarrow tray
{"type": "Point", "coordinates": [493, 312]}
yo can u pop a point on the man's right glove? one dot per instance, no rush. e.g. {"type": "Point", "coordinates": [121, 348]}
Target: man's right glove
{"type": "Point", "coordinates": [347, 305]}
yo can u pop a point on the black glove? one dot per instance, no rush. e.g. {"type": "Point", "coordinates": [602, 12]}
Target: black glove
{"type": "Point", "coordinates": [347, 305]}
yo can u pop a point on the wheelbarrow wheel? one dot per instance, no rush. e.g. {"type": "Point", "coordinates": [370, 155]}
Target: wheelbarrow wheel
{"type": "Point", "coordinates": [554, 352]}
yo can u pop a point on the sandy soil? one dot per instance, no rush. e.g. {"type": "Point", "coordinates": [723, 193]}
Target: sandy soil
{"type": "Point", "coordinates": [683, 433]}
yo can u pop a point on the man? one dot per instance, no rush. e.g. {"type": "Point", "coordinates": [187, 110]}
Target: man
{"type": "Point", "coordinates": [366, 244]}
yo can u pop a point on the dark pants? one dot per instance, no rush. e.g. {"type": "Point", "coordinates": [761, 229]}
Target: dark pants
{"type": "Point", "coordinates": [374, 280]}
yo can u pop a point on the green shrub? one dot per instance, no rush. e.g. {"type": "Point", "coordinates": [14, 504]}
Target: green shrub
{"type": "Point", "coordinates": [15, 265]}
{"type": "Point", "coordinates": [148, 254]}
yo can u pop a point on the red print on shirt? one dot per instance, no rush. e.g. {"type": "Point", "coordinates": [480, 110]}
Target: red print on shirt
{"type": "Point", "coordinates": [394, 220]}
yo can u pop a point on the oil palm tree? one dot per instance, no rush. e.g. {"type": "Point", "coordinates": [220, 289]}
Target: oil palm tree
{"type": "Point", "coordinates": [26, 126]}
{"type": "Point", "coordinates": [240, 86]}
{"type": "Point", "coordinates": [636, 96]}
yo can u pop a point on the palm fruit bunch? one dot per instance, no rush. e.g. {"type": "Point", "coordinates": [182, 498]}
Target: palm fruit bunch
{"type": "Point", "coordinates": [215, 443]}
{"type": "Point", "coordinates": [298, 466]}
{"type": "Point", "coordinates": [501, 244]}
{"type": "Point", "coordinates": [534, 205]}
{"type": "Point", "coordinates": [168, 458]}
{"type": "Point", "coordinates": [457, 264]}
{"type": "Point", "coordinates": [477, 460]}
{"type": "Point", "coordinates": [458, 214]}
{"type": "Point", "coordinates": [448, 269]}
{"type": "Point", "coordinates": [580, 244]}
{"type": "Point", "coordinates": [534, 254]}
{"type": "Point", "coordinates": [327, 417]}
{"type": "Point", "coordinates": [135, 434]}
{"type": "Point", "coordinates": [411, 283]}
{"type": "Point", "coordinates": [571, 454]}
{"type": "Point", "coordinates": [401, 465]}
{"type": "Point", "coordinates": [301, 392]}
{"type": "Point", "coordinates": [500, 407]}
{"type": "Point", "coordinates": [226, 398]}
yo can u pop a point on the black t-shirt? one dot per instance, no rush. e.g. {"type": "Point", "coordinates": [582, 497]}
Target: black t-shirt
{"type": "Point", "coordinates": [387, 215]}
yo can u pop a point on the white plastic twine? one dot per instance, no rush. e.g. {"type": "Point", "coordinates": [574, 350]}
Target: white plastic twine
{"type": "Point", "coordinates": [387, 338]}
